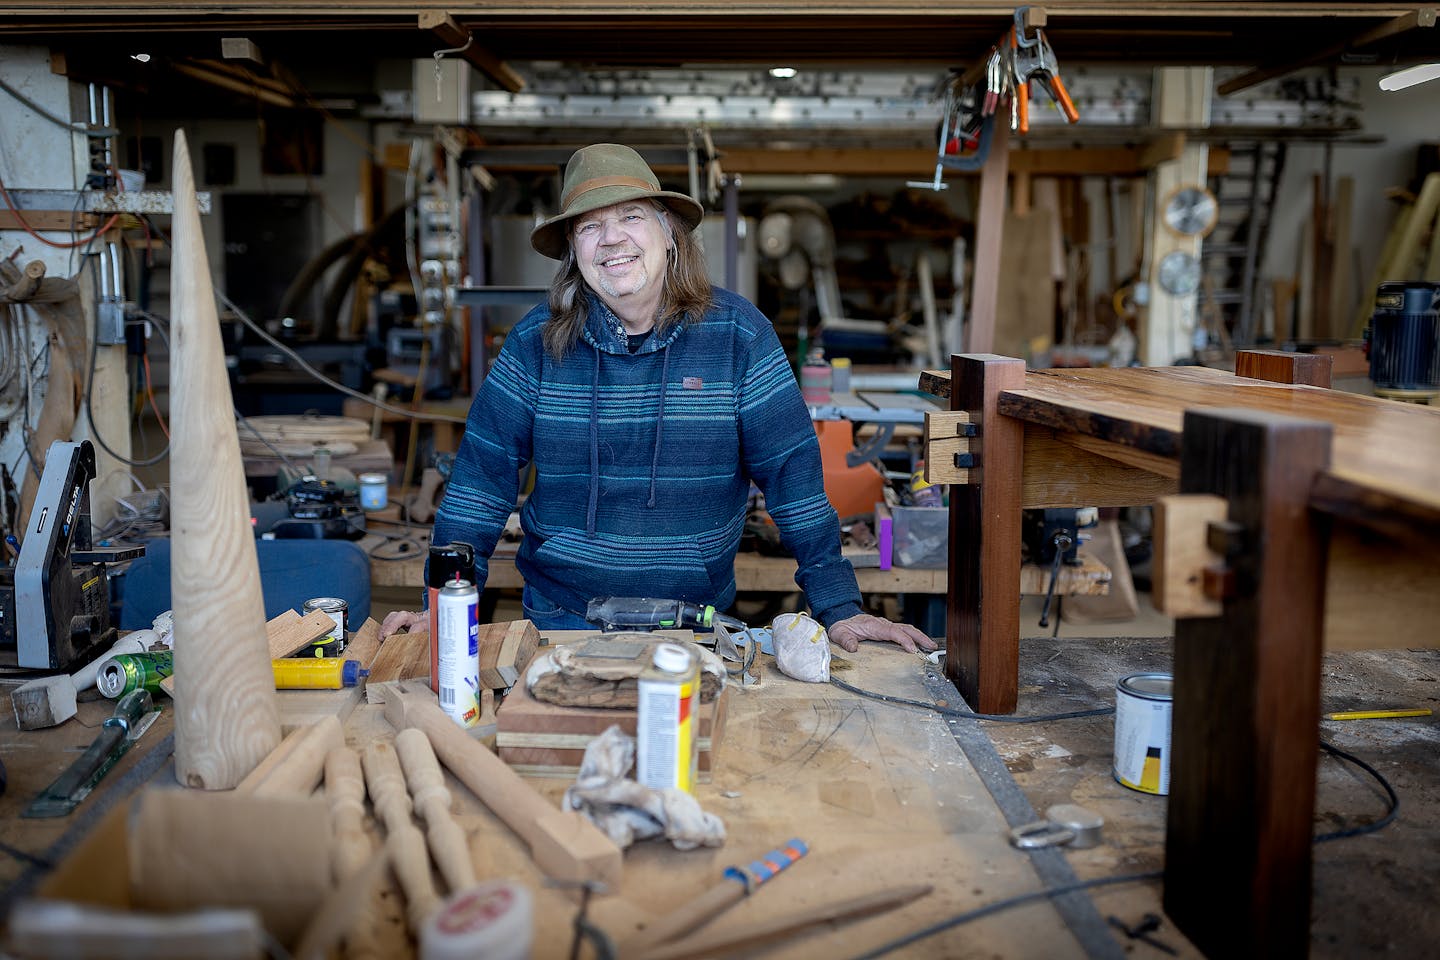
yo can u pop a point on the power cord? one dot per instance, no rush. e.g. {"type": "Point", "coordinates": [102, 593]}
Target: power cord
{"type": "Point", "coordinates": [1024, 898]}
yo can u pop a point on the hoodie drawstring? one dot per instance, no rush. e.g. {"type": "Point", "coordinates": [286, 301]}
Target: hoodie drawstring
{"type": "Point", "coordinates": [594, 450]}
{"type": "Point", "coordinates": [659, 425]}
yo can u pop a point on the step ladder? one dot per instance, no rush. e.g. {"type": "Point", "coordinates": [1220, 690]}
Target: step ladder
{"type": "Point", "coordinates": [1230, 254]}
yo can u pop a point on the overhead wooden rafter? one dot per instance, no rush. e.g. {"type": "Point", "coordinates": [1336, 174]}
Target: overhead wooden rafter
{"type": "Point", "coordinates": [455, 36]}
{"type": "Point", "coordinates": [1413, 20]}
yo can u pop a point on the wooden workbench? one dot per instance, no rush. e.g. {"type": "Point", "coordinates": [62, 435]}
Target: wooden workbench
{"type": "Point", "coordinates": [884, 795]}
{"type": "Point", "coordinates": [1333, 527]}
{"type": "Point", "coordinates": [753, 573]}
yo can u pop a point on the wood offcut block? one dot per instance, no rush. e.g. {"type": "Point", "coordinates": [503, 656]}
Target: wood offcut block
{"type": "Point", "coordinates": [1278, 366]}
{"type": "Point", "coordinates": [44, 702]}
{"type": "Point", "coordinates": [505, 652]}
{"type": "Point", "coordinates": [403, 656]}
{"type": "Point", "coordinates": [541, 739]}
{"type": "Point", "coordinates": [1183, 553]}
{"type": "Point", "coordinates": [290, 633]}
{"type": "Point", "coordinates": [951, 447]}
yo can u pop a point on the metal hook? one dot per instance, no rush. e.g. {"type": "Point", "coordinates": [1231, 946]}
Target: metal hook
{"type": "Point", "coordinates": [440, 55]}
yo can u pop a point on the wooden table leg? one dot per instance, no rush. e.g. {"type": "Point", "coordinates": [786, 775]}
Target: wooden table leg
{"type": "Point", "coordinates": [1247, 692]}
{"type": "Point", "coordinates": [1280, 367]}
{"type": "Point", "coordinates": [982, 621]}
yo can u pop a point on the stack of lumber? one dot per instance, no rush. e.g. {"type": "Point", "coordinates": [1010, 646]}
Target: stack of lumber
{"type": "Point", "coordinates": [299, 437]}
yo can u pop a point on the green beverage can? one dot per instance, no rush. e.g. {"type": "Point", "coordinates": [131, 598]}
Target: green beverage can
{"type": "Point", "coordinates": [134, 671]}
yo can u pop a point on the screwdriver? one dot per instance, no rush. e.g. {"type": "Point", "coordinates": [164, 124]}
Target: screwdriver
{"type": "Point", "coordinates": [644, 613]}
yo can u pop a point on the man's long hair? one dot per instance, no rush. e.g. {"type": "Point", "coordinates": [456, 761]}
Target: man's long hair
{"type": "Point", "coordinates": [684, 297]}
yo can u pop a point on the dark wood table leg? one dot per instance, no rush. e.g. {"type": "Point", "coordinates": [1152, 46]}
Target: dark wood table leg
{"type": "Point", "coordinates": [1280, 367]}
{"type": "Point", "coordinates": [1245, 727]}
{"type": "Point", "coordinates": [982, 622]}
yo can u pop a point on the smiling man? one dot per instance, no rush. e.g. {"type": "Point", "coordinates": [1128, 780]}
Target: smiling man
{"type": "Point", "coordinates": [648, 401]}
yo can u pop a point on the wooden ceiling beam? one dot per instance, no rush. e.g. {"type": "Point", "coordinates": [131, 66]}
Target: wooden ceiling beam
{"type": "Point", "coordinates": [1414, 20]}
{"type": "Point", "coordinates": [455, 35]}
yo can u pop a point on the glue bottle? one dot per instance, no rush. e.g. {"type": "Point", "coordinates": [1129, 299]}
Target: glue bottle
{"type": "Point", "coordinates": [667, 751]}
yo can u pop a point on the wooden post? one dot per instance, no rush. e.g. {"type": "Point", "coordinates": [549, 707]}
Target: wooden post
{"type": "Point", "coordinates": [1247, 692]}
{"type": "Point", "coordinates": [989, 229]}
{"type": "Point", "coordinates": [1277, 366]}
{"type": "Point", "coordinates": [226, 716]}
{"type": "Point", "coordinates": [982, 597]}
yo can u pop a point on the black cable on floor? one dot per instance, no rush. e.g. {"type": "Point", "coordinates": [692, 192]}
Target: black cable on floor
{"type": "Point", "coordinates": [24, 857]}
{"type": "Point", "coordinates": [1001, 905]}
{"type": "Point", "coordinates": [1380, 824]}
{"type": "Point", "coordinates": [968, 715]}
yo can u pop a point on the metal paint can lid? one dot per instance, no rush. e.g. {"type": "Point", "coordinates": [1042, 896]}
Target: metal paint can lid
{"type": "Point", "coordinates": [1148, 686]}
{"type": "Point", "coordinates": [328, 604]}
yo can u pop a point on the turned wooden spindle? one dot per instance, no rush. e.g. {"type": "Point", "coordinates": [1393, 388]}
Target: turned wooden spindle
{"type": "Point", "coordinates": [403, 840]}
{"type": "Point", "coordinates": [345, 789]}
{"type": "Point", "coordinates": [226, 716]}
{"type": "Point", "coordinates": [448, 844]}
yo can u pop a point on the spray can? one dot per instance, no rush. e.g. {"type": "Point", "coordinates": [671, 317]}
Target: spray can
{"type": "Point", "coordinates": [330, 673]}
{"type": "Point", "coordinates": [447, 561]}
{"type": "Point", "coordinates": [333, 643]}
{"type": "Point", "coordinates": [667, 753]}
{"type": "Point", "coordinates": [458, 639]}
{"type": "Point", "coordinates": [134, 671]}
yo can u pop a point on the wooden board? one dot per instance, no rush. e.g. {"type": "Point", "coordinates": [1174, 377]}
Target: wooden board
{"type": "Point", "coordinates": [545, 740]}
{"type": "Point", "coordinates": [364, 645]}
{"type": "Point", "coordinates": [403, 656]}
{"type": "Point", "coordinates": [289, 632]}
{"type": "Point", "coordinates": [1383, 452]}
{"type": "Point", "coordinates": [505, 651]}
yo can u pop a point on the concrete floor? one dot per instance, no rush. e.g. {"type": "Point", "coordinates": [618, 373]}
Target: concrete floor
{"type": "Point", "coordinates": [1373, 895]}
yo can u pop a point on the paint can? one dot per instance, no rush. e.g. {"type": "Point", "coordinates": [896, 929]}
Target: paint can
{"type": "Point", "coordinates": [447, 561]}
{"type": "Point", "coordinates": [815, 380]}
{"type": "Point", "coordinates": [458, 640]}
{"type": "Point", "coordinates": [374, 491]}
{"type": "Point", "coordinates": [333, 643]}
{"type": "Point", "coordinates": [666, 745]}
{"type": "Point", "coordinates": [134, 671]}
{"type": "Point", "coordinates": [1143, 703]}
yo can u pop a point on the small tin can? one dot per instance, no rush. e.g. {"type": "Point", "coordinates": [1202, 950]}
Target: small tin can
{"type": "Point", "coordinates": [333, 643]}
{"type": "Point", "coordinates": [374, 491]}
{"type": "Point", "coordinates": [667, 749]}
{"type": "Point", "coordinates": [458, 646]}
{"type": "Point", "coordinates": [1142, 732]}
{"type": "Point", "coordinates": [134, 671]}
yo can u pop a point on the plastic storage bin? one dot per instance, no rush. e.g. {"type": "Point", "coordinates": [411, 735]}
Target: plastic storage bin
{"type": "Point", "coordinates": [921, 536]}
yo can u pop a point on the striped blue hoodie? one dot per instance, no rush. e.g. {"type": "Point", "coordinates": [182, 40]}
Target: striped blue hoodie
{"type": "Point", "coordinates": [644, 461]}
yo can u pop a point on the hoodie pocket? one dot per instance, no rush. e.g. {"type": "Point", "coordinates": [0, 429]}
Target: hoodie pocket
{"type": "Point", "coordinates": [666, 568]}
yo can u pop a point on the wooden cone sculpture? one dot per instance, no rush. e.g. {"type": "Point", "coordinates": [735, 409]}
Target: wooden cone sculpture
{"type": "Point", "coordinates": [226, 715]}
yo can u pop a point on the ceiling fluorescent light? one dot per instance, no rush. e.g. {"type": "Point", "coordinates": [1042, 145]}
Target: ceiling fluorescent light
{"type": "Point", "coordinates": [1410, 76]}
{"type": "Point", "coordinates": [782, 73]}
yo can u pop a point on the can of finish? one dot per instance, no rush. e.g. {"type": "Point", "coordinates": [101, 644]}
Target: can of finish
{"type": "Point", "coordinates": [333, 643]}
{"type": "Point", "coordinates": [457, 641]}
{"type": "Point", "coordinates": [134, 671]}
{"type": "Point", "coordinates": [1142, 732]}
{"type": "Point", "coordinates": [447, 561]}
{"type": "Point", "coordinates": [667, 751]}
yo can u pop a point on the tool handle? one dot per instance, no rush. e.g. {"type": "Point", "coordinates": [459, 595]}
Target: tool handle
{"type": "Point", "coordinates": [1022, 103]}
{"type": "Point", "coordinates": [646, 613]}
{"type": "Point", "coordinates": [1062, 97]}
{"type": "Point", "coordinates": [759, 871]}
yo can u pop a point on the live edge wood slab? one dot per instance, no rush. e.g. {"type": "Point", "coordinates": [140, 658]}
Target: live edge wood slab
{"type": "Point", "coordinates": [1331, 524]}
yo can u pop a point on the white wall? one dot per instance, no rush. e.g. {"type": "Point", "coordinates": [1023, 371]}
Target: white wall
{"type": "Point", "coordinates": [1406, 119]}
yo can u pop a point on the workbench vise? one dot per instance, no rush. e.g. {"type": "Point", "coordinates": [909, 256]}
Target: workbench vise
{"type": "Point", "coordinates": [55, 601]}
